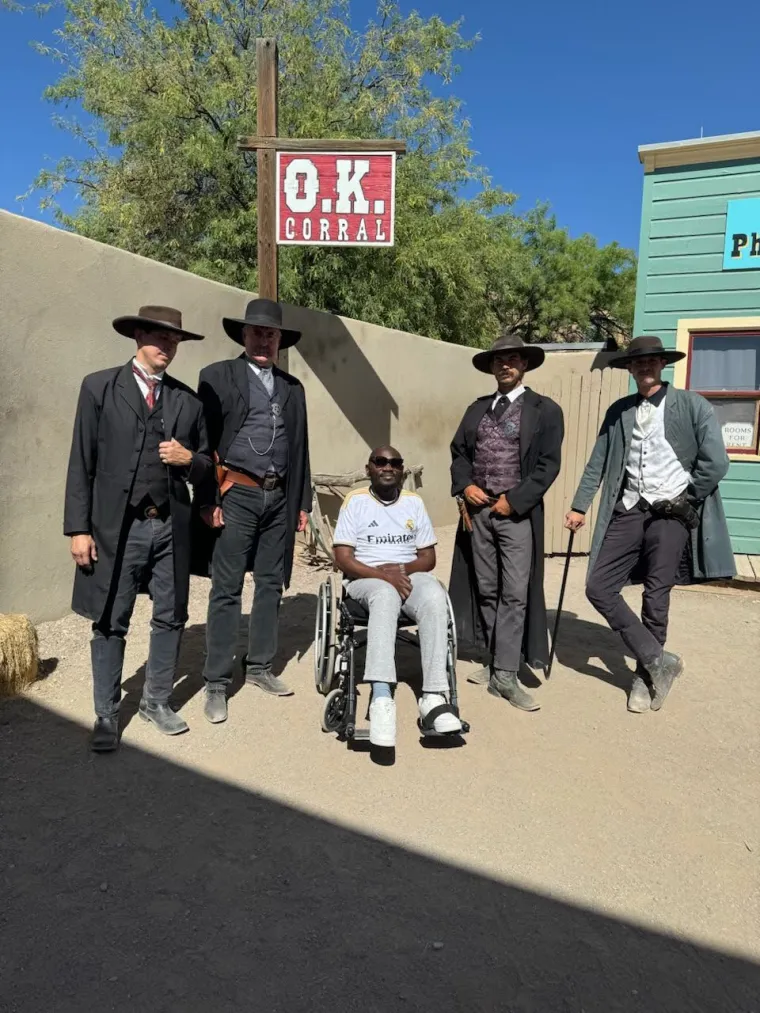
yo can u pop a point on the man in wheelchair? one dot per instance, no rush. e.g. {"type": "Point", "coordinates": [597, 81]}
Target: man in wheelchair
{"type": "Point", "coordinates": [385, 546]}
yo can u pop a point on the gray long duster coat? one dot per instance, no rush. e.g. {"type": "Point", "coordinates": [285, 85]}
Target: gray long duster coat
{"type": "Point", "coordinates": [692, 430]}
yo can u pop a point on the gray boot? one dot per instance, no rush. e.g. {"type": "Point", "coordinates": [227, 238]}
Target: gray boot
{"type": "Point", "coordinates": [480, 677]}
{"type": "Point", "coordinates": [664, 671]}
{"type": "Point", "coordinates": [264, 679]}
{"type": "Point", "coordinates": [640, 696]}
{"type": "Point", "coordinates": [215, 707]}
{"type": "Point", "coordinates": [163, 717]}
{"type": "Point", "coordinates": [506, 685]}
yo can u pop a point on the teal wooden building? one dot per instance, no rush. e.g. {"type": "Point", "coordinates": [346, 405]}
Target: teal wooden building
{"type": "Point", "coordinates": [699, 291]}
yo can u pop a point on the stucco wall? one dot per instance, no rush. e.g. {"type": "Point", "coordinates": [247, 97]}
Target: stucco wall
{"type": "Point", "coordinates": [365, 385]}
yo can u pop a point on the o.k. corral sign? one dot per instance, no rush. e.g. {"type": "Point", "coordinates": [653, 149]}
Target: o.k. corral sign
{"type": "Point", "coordinates": [336, 198]}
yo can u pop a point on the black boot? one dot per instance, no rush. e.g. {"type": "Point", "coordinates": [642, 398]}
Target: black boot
{"type": "Point", "coordinates": [506, 685]}
{"type": "Point", "coordinates": [105, 735]}
{"type": "Point", "coordinates": [163, 717]}
{"type": "Point", "coordinates": [664, 671]}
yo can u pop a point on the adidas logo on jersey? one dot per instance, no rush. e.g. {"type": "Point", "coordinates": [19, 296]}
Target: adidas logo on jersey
{"type": "Point", "coordinates": [374, 524]}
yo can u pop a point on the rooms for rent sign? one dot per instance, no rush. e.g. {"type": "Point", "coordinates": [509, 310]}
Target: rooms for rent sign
{"type": "Point", "coordinates": [335, 199]}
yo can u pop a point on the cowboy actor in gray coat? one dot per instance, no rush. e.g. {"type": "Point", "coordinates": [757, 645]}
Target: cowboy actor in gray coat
{"type": "Point", "coordinates": [660, 455]}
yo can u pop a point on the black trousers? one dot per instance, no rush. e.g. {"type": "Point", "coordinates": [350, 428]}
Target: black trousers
{"type": "Point", "coordinates": [254, 537]}
{"type": "Point", "coordinates": [148, 554]}
{"type": "Point", "coordinates": [634, 536]}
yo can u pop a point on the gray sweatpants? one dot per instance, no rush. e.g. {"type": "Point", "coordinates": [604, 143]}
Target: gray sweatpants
{"type": "Point", "coordinates": [426, 605]}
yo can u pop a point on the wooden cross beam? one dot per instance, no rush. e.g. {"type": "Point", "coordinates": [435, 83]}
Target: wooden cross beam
{"type": "Point", "coordinates": [266, 144]}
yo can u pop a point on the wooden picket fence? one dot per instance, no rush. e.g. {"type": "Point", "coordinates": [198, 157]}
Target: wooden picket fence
{"type": "Point", "coordinates": [584, 398]}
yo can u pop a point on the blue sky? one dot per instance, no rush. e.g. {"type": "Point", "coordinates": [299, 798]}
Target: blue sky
{"type": "Point", "coordinates": [559, 95]}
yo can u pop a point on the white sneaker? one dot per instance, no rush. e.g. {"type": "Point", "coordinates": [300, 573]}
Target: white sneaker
{"type": "Point", "coordinates": [382, 722]}
{"type": "Point", "coordinates": [444, 724]}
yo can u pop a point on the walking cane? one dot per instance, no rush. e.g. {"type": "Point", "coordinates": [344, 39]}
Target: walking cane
{"type": "Point", "coordinates": [559, 605]}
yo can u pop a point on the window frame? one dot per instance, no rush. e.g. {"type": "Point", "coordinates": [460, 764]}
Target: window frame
{"type": "Point", "coordinates": [735, 327]}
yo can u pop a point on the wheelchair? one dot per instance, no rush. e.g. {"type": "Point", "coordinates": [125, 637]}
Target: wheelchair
{"type": "Point", "coordinates": [338, 619]}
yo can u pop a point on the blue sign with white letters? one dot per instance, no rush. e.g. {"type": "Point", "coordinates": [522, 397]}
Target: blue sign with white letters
{"type": "Point", "coordinates": [742, 248]}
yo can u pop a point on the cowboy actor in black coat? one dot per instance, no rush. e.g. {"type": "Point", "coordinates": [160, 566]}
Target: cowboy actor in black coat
{"type": "Point", "coordinates": [139, 438]}
{"type": "Point", "coordinates": [256, 416]}
{"type": "Point", "coordinates": [504, 457]}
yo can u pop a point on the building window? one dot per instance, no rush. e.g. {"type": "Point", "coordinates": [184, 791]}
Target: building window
{"type": "Point", "coordinates": [725, 368]}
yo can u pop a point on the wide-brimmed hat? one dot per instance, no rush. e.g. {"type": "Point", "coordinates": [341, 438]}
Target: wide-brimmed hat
{"type": "Point", "coordinates": [645, 345]}
{"type": "Point", "coordinates": [155, 318]}
{"type": "Point", "coordinates": [509, 343]}
{"type": "Point", "coordinates": [261, 313]}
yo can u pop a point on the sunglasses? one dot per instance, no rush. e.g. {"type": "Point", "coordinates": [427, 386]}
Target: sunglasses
{"type": "Point", "coordinates": [383, 462]}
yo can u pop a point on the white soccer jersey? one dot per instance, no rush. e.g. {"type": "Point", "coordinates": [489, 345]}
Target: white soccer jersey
{"type": "Point", "coordinates": [384, 534]}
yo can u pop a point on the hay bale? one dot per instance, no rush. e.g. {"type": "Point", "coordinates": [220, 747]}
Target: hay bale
{"type": "Point", "coordinates": [19, 654]}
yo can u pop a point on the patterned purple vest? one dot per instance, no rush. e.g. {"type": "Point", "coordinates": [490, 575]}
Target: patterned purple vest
{"type": "Point", "coordinates": [496, 467]}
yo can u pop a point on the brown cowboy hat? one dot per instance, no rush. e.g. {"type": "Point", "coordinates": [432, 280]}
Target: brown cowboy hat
{"type": "Point", "coordinates": [645, 345]}
{"type": "Point", "coordinates": [261, 313]}
{"type": "Point", "coordinates": [155, 318]}
{"type": "Point", "coordinates": [509, 343]}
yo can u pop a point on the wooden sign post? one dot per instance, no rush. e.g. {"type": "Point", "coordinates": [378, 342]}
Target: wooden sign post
{"type": "Point", "coordinates": [267, 144]}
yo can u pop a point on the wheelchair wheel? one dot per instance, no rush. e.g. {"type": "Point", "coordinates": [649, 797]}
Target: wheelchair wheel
{"type": "Point", "coordinates": [334, 712]}
{"type": "Point", "coordinates": [324, 637]}
{"type": "Point", "coordinates": [452, 631]}
{"type": "Point", "coordinates": [451, 653]}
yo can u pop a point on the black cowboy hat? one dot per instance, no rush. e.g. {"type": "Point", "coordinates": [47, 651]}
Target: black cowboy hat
{"type": "Point", "coordinates": [509, 343]}
{"type": "Point", "coordinates": [261, 313]}
{"type": "Point", "coordinates": [645, 345]}
{"type": "Point", "coordinates": [155, 318]}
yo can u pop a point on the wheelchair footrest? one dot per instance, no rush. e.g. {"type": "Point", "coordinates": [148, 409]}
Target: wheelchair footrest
{"type": "Point", "coordinates": [361, 735]}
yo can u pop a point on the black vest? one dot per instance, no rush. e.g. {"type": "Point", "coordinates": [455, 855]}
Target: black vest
{"type": "Point", "coordinates": [151, 478]}
{"type": "Point", "coordinates": [265, 429]}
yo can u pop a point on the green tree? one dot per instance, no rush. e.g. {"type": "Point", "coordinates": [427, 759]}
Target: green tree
{"type": "Point", "coordinates": [161, 175]}
{"type": "Point", "coordinates": [565, 289]}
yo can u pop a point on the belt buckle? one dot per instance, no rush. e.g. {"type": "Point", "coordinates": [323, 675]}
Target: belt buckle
{"type": "Point", "coordinates": [270, 482]}
{"type": "Point", "coordinates": [151, 512]}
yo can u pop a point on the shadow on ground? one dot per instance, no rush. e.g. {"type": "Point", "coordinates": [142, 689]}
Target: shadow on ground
{"type": "Point", "coordinates": [130, 883]}
{"type": "Point", "coordinates": [296, 636]}
{"type": "Point", "coordinates": [579, 641]}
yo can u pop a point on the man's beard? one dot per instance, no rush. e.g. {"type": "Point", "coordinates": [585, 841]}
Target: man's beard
{"type": "Point", "coordinates": [386, 492]}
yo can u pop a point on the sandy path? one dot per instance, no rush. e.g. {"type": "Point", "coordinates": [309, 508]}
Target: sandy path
{"type": "Point", "coordinates": [577, 859]}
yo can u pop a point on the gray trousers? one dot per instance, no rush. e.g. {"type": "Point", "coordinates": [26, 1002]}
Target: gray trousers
{"type": "Point", "coordinates": [148, 552]}
{"type": "Point", "coordinates": [632, 535]}
{"type": "Point", "coordinates": [502, 554]}
{"type": "Point", "coordinates": [426, 605]}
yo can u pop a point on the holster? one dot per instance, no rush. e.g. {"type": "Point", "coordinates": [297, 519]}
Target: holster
{"type": "Point", "coordinates": [678, 509]}
{"type": "Point", "coordinates": [465, 513]}
{"type": "Point", "coordinates": [221, 477]}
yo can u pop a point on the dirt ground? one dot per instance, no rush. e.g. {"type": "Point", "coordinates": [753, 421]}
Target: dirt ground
{"type": "Point", "coordinates": [576, 860]}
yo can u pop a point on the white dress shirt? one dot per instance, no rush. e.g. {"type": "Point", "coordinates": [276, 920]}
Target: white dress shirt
{"type": "Point", "coordinates": [512, 395]}
{"type": "Point", "coordinates": [653, 471]}
{"type": "Point", "coordinates": [265, 374]}
{"type": "Point", "coordinates": [141, 372]}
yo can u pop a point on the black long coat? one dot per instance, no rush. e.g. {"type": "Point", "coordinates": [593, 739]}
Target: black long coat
{"type": "Point", "coordinates": [109, 432]}
{"type": "Point", "coordinates": [541, 431]}
{"type": "Point", "coordinates": [223, 389]}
